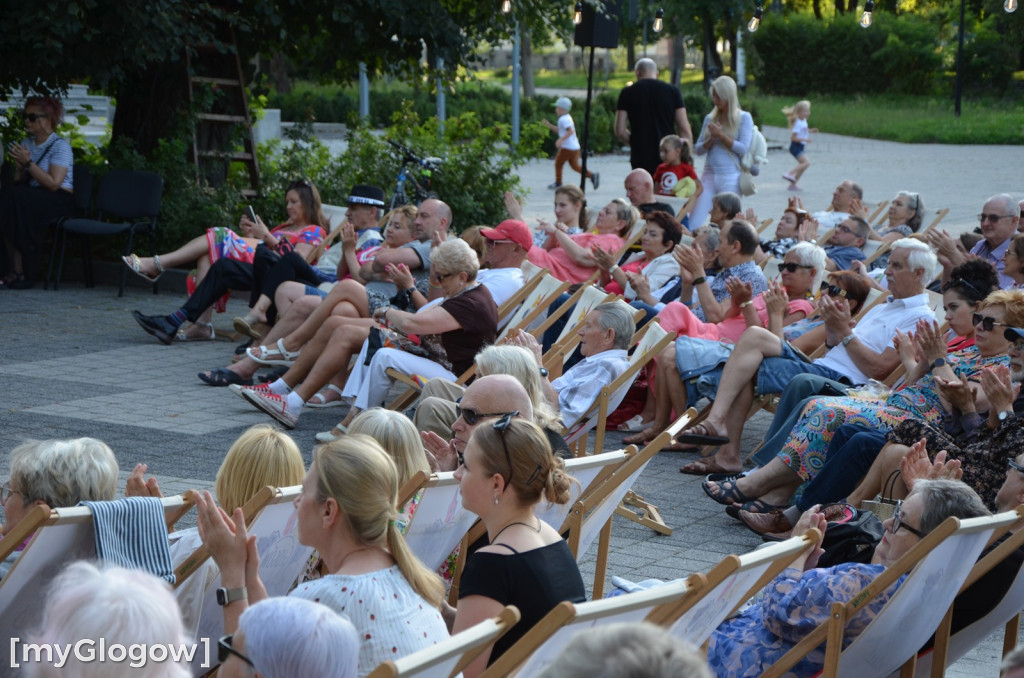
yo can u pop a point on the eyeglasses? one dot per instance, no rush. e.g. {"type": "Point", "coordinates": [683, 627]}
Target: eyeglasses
{"type": "Point", "coordinates": [501, 426]}
{"type": "Point", "coordinates": [32, 117]}
{"type": "Point", "coordinates": [473, 417]}
{"type": "Point", "coordinates": [845, 229]}
{"type": "Point", "coordinates": [440, 277]}
{"type": "Point", "coordinates": [224, 650]}
{"type": "Point", "coordinates": [897, 523]}
{"type": "Point", "coordinates": [791, 267]}
{"type": "Point", "coordinates": [835, 291]}
{"type": "Point", "coordinates": [6, 491]}
{"type": "Point", "coordinates": [987, 322]}
{"type": "Point", "coordinates": [994, 218]}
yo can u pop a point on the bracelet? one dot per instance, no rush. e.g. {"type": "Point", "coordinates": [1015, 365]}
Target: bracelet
{"type": "Point", "coordinates": [611, 271]}
{"type": "Point", "coordinates": [746, 303]}
{"type": "Point", "coordinates": [698, 281]}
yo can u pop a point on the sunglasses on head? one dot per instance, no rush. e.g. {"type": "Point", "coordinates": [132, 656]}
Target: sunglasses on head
{"type": "Point", "coordinates": [835, 291]}
{"type": "Point", "coordinates": [791, 267]}
{"type": "Point", "coordinates": [473, 417]}
{"type": "Point", "coordinates": [987, 322]}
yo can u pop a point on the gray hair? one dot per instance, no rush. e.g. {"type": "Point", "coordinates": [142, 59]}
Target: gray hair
{"type": "Point", "coordinates": [627, 650]}
{"type": "Point", "coordinates": [617, 317]}
{"type": "Point", "coordinates": [291, 636]}
{"type": "Point", "coordinates": [916, 204]}
{"type": "Point", "coordinates": [520, 363]}
{"type": "Point", "coordinates": [729, 203]}
{"type": "Point", "coordinates": [944, 498]}
{"type": "Point", "coordinates": [921, 256]}
{"type": "Point", "coordinates": [808, 254]}
{"type": "Point", "coordinates": [1009, 204]}
{"type": "Point", "coordinates": [855, 188]}
{"type": "Point", "coordinates": [646, 67]}
{"type": "Point", "coordinates": [455, 256]}
{"type": "Point", "coordinates": [62, 473]}
{"type": "Point", "coordinates": [397, 435]}
{"type": "Point", "coordinates": [711, 235]}
{"type": "Point", "coordinates": [128, 607]}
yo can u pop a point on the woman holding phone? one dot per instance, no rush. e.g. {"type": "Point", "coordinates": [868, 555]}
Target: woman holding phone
{"type": "Point", "coordinates": [224, 260]}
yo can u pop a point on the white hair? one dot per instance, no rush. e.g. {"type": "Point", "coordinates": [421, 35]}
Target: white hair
{"type": "Point", "coordinates": [287, 637]}
{"type": "Point", "coordinates": [130, 608]}
{"type": "Point", "coordinates": [808, 254]}
{"type": "Point", "coordinates": [62, 473]}
{"type": "Point", "coordinates": [921, 256]}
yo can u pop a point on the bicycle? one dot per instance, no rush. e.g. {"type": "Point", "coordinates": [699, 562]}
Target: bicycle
{"type": "Point", "coordinates": [413, 169]}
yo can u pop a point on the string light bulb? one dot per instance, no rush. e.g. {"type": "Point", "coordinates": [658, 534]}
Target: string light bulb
{"type": "Point", "coordinates": [506, 6]}
{"type": "Point", "coordinates": [577, 15]}
{"type": "Point", "coordinates": [865, 18]}
{"type": "Point", "coordinates": [755, 21]}
{"type": "Point", "coordinates": [1010, 5]}
{"type": "Point", "coordinates": [660, 14]}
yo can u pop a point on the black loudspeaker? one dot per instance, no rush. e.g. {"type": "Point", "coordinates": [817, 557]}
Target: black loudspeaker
{"type": "Point", "coordinates": [600, 25]}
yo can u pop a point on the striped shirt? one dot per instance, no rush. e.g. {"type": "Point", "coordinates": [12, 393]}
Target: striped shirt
{"type": "Point", "coordinates": [59, 155]}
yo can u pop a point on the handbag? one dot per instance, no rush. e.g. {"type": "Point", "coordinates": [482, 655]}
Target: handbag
{"type": "Point", "coordinates": [747, 186]}
{"type": "Point", "coordinates": [883, 505]}
{"type": "Point", "coordinates": [852, 540]}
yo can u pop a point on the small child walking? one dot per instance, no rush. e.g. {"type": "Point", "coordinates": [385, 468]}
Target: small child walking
{"type": "Point", "coordinates": [798, 140]}
{"type": "Point", "coordinates": [568, 144]}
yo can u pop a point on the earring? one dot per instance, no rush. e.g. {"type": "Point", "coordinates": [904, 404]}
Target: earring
{"type": "Point", "coordinates": [495, 500]}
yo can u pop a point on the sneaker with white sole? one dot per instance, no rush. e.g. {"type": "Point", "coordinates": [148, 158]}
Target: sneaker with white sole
{"type": "Point", "coordinates": [237, 389]}
{"type": "Point", "coordinates": [274, 405]}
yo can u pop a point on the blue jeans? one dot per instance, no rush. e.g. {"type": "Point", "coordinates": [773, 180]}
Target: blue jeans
{"type": "Point", "coordinates": [852, 451]}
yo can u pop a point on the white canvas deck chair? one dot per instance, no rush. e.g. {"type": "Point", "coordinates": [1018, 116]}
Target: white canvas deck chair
{"type": "Point", "coordinates": [585, 300]}
{"type": "Point", "coordinates": [543, 643]}
{"type": "Point", "coordinates": [649, 341]}
{"type": "Point", "coordinates": [1005, 614]}
{"type": "Point", "coordinates": [440, 521]}
{"type": "Point", "coordinates": [938, 566]}
{"type": "Point", "coordinates": [771, 268]}
{"type": "Point", "coordinates": [282, 558]}
{"type": "Point", "coordinates": [56, 537]}
{"type": "Point", "coordinates": [448, 658]}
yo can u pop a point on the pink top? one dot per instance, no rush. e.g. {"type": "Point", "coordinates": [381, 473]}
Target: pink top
{"type": "Point", "coordinates": [629, 267]}
{"type": "Point", "coordinates": [560, 264]}
{"type": "Point", "coordinates": [676, 317]}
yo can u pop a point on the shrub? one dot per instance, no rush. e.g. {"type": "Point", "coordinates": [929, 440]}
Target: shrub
{"type": "Point", "coordinates": [989, 59]}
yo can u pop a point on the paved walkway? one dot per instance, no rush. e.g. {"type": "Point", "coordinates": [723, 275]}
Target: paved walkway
{"type": "Point", "coordinates": [74, 363]}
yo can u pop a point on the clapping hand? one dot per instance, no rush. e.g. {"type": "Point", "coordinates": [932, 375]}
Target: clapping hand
{"type": "Point", "coordinates": [808, 229]}
{"type": "Point", "coordinates": [930, 342]}
{"type": "Point", "coordinates": [915, 466]}
{"type": "Point", "coordinates": [858, 209]}
{"type": "Point", "coordinates": [349, 239]}
{"type": "Point", "coordinates": [690, 260]}
{"type": "Point", "coordinates": [228, 541]}
{"type": "Point", "coordinates": [400, 275]}
{"type": "Point", "coordinates": [739, 292]}
{"type": "Point", "coordinates": [999, 388]}
{"type": "Point", "coordinates": [527, 341]}
{"type": "Point", "coordinates": [957, 393]}
{"type": "Point", "coordinates": [605, 259]}
{"type": "Point", "coordinates": [812, 519]}
{"type": "Point", "coordinates": [441, 451]}
{"type": "Point", "coordinates": [139, 486]}
{"type": "Point", "coordinates": [640, 284]}
{"type": "Point", "coordinates": [513, 206]}
{"type": "Point", "coordinates": [776, 300]}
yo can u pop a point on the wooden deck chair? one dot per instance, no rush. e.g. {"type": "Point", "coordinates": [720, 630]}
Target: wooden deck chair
{"type": "Point", "coordinates": [449, 657]}
{"type": "Point", "coordinates": [545, 641]}
{"type": "Point", "coordinates": [538, 328]}
{"type": "Point", "coordinates": [536, 303]}
{"type": "Point", "coordinates": [650, 340]}
{"type": "Point", "coordinates": [729, 584]}
{"type": "Point", "coordinates": [877, 211]}
{"type": "Point", "coordinates": [530, 269]}
{"type": "Point", "coordinates": [873, 249]}
{"type": "Point", "coordinates": [591, 516]}
{"type": "Point", "coordinates": [55, 537]}
{"type": "Point", "coordinates": [1006, 613]}
{"type": "Point", "coordinates": [939, 216]}
{"type": "Point", "coordinates": [763, 224]}
{"type": "Point", "coordinates": [440, 521]}
{"type": "Point", "coordinates": [630, 240]}
{"type": "Point", "coordinates": [588, 298]}
{"type": "Point", "coordinates": [911, 615]}
{"type": "Point", "coordinates": [771, 268]}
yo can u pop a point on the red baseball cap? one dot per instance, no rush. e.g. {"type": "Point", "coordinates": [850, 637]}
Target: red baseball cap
{"type": "Point", "coordinates": [510, 229]}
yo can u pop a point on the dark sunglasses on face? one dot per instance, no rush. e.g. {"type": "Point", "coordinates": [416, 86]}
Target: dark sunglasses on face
{"type": "Point", "coordinates": [32, 117]}
{"type": "Point", "coordinates": [225, 650]}
{"type": "Point", "coordinates": [987, 322]}
{"type": "Point", "coordinates": [994, 218]}
{"type": "Point", "coordinates": [790, 267]}
{"type": "Point", "coordinates": [472, 417]}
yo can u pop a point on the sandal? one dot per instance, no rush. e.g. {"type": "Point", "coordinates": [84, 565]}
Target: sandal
{"type": "Point", "coordinates": [247, 326]}
{"type": "Point", "coordinates": [728, 493]}
{"type": "Point", "coordinates": [319, 399]}
{"type": "Point", "coordinates": [183, 335]}
{"type": "Point", "coordinates": [332, 435]}
{"type": "Point", "coordinates": [134, 264]}
{"type": "Point", "coordinates": [634, 425]}
{"type": "Point", "coordinates": [223, 377]}
{"type": "Point", "coordinates": [642, 438]}
{"type": "Point", "coordinates": [274, 356]}
{"type": "Point", "coordinates": [702, 467]}
{"type": "Point", "coordinates": [701, 434]}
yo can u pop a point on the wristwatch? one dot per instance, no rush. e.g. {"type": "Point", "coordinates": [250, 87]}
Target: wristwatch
{"type": "Point", "coordinates": [1004, 415]}
{"type": "Point", "coordinates": [847, 339]}
{"type": "Point", "coordinates": [543, 371]}
{"type": "Point", "coordinates": [938, 362]}
{"type": "Point", "coordinates": [228, 596]}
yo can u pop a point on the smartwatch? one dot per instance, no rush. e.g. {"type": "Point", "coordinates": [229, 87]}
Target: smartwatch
{"type": "Point", "coordinates": [543, 371]}
{"type": "Point", "coordinates": [228, 596]}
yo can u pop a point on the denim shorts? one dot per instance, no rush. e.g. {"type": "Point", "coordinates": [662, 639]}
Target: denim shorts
{"type": "Point", "coordinates": [775, 373]}
{"type": "Point", "coordinates": [310, 290]}
{"type": "Point", "coordinates": [797, 148]}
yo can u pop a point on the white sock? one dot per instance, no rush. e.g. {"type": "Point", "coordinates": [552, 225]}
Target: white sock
{"type": "Point", "coordinates": [278, 387]}
{"type": "Point", "coordinates": [294, 401]}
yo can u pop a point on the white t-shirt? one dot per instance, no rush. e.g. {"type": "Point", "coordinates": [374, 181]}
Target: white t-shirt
{"type": "Point", "coordinates": [800, 130]}
{"type": "Point", "coordinates": [502, 283]}
{"type": "Point", "coordinates": [564, 125]}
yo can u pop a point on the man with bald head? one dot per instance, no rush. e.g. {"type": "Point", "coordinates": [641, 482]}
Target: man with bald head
{"type": "Point", "coordinates": [648, 110]}
{"type": "Point", "coordinates": [640, 192]}
{"type": "Point", "coordinates": [999, 219]}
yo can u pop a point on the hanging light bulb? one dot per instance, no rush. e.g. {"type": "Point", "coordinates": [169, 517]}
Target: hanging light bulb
{"type": "Point", "coordinates": [869, 6]}
{"type": "Point", "coordinates": [755, 21]}
{"type": "Point", "coordinates": [577, 15]}
{"type": "Point", "coordinates": [1010, 5]}
{"type": "Point", "coordinates": [506, 6]}
{"type": "Point", "coordinates": [659, 23]}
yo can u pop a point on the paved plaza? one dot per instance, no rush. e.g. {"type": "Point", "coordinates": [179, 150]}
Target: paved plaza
{"type": "Point", "coordinates": [73, 362]}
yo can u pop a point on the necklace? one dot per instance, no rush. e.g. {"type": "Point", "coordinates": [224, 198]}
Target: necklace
{"type": "Point", "coordinates": [518, 522]}
{"type": "Point", "coordinates": [347, 556]}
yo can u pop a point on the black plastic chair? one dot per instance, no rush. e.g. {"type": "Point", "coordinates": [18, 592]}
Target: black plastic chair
{"type": "Point", "coordinates": [127, 201]}
{"type": "Point", "coordinates": [84, 182]}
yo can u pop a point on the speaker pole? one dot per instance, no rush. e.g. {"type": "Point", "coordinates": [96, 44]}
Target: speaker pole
{"type": "Point", "coordinates": [586, 122]}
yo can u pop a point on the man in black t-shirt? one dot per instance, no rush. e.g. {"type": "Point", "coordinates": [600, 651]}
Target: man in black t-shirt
{"type": "Point", "coordinates": [648, 110]}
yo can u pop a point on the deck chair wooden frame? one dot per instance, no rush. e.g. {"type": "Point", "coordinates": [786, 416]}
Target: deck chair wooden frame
{"type": "Point", "coordinates": [440, 522]}
{"type": "Point", "coordinates": [591, 516]}
{"type": "Point", "coordinates": [649, 341]}
{"type": "Point", "coordinates": [450, 657]}
{"type": "Point", "coordinates": [764, 224]}
{"type": "Point", "coordinates": [535, 650]}
{"type": "Point", "coordinates": [949, 552]}
{"type": "Point", "coordinates": [589, 297]}
{"type": "Point", "coordinates": [939, 216]}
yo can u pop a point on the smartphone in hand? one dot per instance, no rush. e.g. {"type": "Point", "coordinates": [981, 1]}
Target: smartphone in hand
{"type": "Point", "coordinates": [251, 214]}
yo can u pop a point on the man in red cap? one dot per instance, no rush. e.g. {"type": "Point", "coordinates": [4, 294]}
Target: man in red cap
{"type": "Point", "coordinates": [507, 244]}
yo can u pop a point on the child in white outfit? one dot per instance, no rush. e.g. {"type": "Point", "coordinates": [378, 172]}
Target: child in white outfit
{"type": "Point", "coordinates": [568, 144]}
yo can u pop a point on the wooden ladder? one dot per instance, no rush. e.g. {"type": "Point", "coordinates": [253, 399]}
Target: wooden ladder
{"type": "Point", "coordinates": [223, 131]}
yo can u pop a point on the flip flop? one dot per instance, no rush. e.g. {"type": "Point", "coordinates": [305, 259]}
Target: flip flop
{"type": "Point", "coordinates": [753, 506]}
{"type": "Point", "coordinates": [728, 493]}
{"type": "Point", "coordinates": [702, 467]}
{"type": "Point", "coordinates": [702, 434]}
{"type": "Point", "coordinates": [319, 400]}
{"type": "Point", "coordinates": [223, 377]}
{"type": "Point", "coordinates": [182, 334]}
{"type": "Point", "coordinates": [134, 264]}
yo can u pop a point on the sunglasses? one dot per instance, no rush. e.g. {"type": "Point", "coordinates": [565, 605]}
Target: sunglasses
{"type": "Point", "coordinates": [224, 650]}
{"type": "Point", "coordinates": [501, 426]}
{"type": "Point", "coordinates": [835, 291]}
{"type": "Point", "coordinates": [1014, 465]}
{"type": "Point", "coordinates": [994, 218]}
{"type": "Point", "coordinates": [790, 267]}
{"type": "Point", "coordinates": [32, 117]}
{"type": "Point", "coordinates": [473, 417]}
{"type": "Point", "coordinates": [969, 285]}
{"type": "Point", "coordinates": [987, 322]}
{"type": "Point", "coordinates": [897, 523]}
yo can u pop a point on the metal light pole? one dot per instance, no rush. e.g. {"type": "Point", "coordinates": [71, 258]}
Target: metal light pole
{"type": "Point", "coordinates": [516, 75]}
{"type": "Point", "coordinates": [959, 62]}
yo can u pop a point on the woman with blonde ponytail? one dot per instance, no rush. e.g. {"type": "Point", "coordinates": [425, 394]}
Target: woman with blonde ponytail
{"type": "Point", "coordinates": [346, 510]}
{"type": "Point", "coordinates": [507, 469]}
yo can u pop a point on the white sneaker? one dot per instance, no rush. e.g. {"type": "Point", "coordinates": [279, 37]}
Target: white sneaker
{"type": "Point", "coordinates": [274, 405]}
